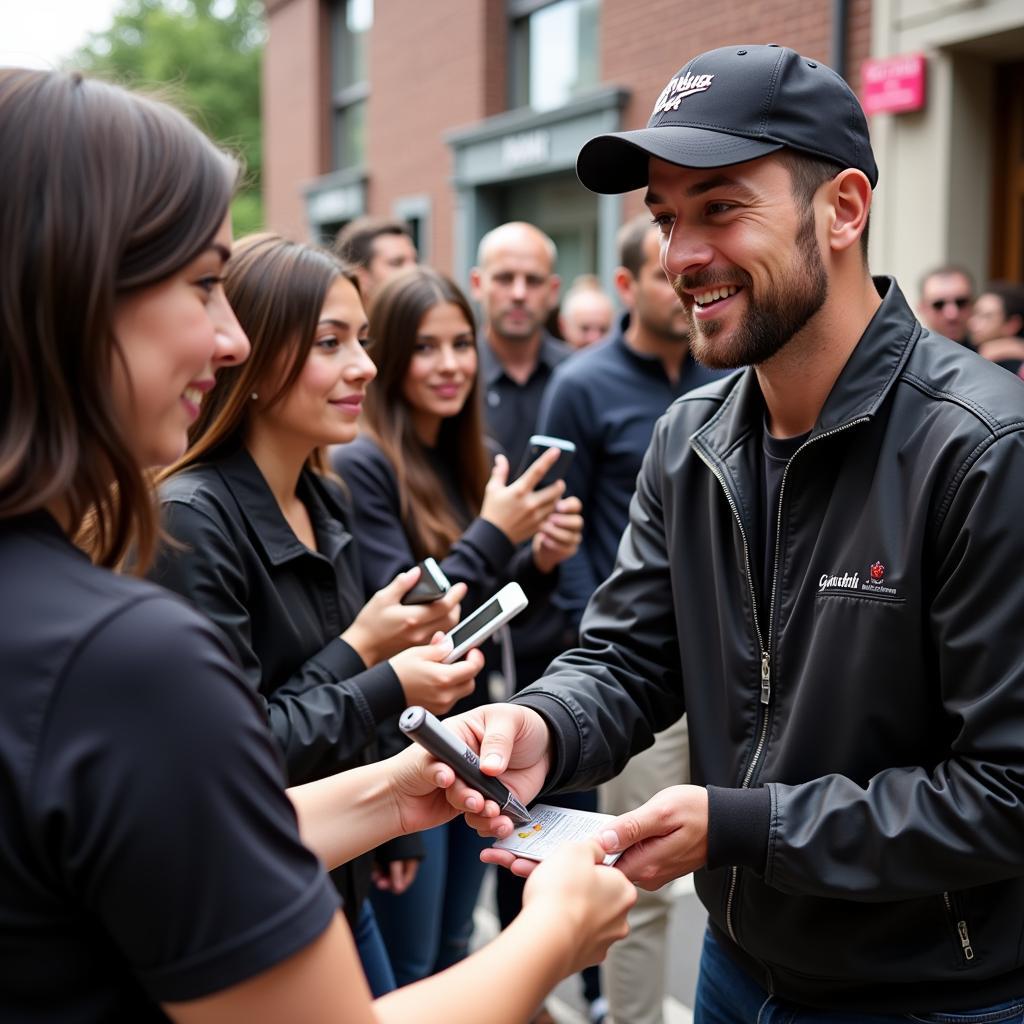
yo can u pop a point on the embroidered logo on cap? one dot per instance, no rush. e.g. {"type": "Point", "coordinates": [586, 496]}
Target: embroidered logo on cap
{"type": "Point", "coordinates": [877, 571]}
{"type": "Point", "coordinates": [678, 89]}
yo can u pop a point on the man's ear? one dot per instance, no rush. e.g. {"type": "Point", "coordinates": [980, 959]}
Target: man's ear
{"type": "Point", "coordinates": [475, 280]}
{"type": "Point", "coordinates": [1013, 325]}
{"type": "Point", "coordinates": [625, 285]}
{"type": "Point", "coordinates": [849, 197]}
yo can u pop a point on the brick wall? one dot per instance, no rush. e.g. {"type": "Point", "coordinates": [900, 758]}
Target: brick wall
{"type": "Point", "coordinates": [433, 67]}
{"type": "Point", "coordinates": [295, 114]}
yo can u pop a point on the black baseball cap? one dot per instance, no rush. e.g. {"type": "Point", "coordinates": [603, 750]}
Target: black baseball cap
{"type": "Point", "coordinates": [733, 104]}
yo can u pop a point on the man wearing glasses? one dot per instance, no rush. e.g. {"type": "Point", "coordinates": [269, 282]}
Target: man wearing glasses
{"type": "Point", "coordinates": [946, 302]}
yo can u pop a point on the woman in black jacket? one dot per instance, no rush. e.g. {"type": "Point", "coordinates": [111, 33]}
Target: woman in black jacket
{"type": "Point", "coordinates": [264, 544]}
{"type": "Point", "coordinates": [422, 485]}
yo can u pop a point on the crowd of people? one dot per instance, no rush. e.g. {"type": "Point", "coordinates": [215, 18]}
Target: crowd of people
{"type": "Point", "coordinates": [772, 601]}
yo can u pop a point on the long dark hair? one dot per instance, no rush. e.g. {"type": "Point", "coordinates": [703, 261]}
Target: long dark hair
{"type": "Point", "coordinates": [430, 522]}
{"type": "Point", "coordinates": [101, 192]}
{"type": "Point", "coordinates": [277, 289]}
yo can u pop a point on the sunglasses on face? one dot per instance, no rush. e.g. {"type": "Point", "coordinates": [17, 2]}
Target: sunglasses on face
{"type": "Point", "coordinates": [961, 302]}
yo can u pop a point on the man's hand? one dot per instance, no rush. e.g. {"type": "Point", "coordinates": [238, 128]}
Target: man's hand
{"type": "Point", "coordinates": [665, 838]}
{"type": "Point", "coordinates": [396, 875]}
{"type": "Point", "coordinates": [513, 742]}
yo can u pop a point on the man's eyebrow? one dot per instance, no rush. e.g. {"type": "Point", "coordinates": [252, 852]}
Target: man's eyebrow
{"type": "Point", "coordinates": [698, 189]}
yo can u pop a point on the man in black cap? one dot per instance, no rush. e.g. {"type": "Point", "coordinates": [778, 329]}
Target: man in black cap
{"type": "Point", "coordinates": [822, 568]}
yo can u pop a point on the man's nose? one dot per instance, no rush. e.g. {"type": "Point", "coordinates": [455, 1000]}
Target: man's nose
{"type": "Point", "coordinates": [684, 252]}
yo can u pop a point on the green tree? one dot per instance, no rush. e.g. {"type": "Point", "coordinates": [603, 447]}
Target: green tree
{"type": "Point", "coordinates": [207, 52]}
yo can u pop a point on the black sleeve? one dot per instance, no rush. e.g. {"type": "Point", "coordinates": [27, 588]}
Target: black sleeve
{"type": "Point", "coordinates": [327, 711]}
{"type": "Point", "coordinates": [480, 558]}
{"type": "Point", "coordinates": [158, 801]}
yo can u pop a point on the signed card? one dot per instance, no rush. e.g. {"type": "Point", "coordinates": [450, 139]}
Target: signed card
{"type": "Point", "coordinates": [550, 827]}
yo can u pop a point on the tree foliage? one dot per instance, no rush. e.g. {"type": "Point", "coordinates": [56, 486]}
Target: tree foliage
{"type": "Point", "coordinates": [207, 54]}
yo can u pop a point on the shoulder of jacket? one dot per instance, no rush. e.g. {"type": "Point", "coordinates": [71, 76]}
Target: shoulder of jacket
{"type": "Point", "coordinates": [978, 395]}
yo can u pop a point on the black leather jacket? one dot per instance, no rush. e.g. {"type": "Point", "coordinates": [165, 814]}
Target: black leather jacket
{"type": "Point", "coordinates": [867, 730]}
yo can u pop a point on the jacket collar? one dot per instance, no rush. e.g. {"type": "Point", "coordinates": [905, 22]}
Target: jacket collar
{"type": "Point", "coordinates": [263, 515]}
{"type": "Point", "coordinates": [860, 389]}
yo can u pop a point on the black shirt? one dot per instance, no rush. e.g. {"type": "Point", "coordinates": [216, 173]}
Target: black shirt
{"type": "Point", "coordinates": [511, 408]}
{"type": "Point", "coordinates": [606, 400]}
{"type": "Point", "coordinates": [148, 852]}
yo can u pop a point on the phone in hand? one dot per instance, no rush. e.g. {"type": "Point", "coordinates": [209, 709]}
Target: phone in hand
{"type": "Point", "coordinates": [537, 446]}
{"type": "Point", "coordinates": [473, 630]}
{"type": "Point", "coordinates": [431, 585]}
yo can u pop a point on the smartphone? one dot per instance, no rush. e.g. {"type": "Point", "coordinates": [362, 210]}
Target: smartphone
{"type": "Point", "coordinates": [491, 615]}
{"type": "Point", "coordinates": [537, 446]}
{"type": "Point", "coordinates": [431, 585]}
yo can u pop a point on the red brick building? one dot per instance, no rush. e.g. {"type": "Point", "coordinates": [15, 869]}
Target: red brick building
{"type": "Point", "coordinates": [460, 114]}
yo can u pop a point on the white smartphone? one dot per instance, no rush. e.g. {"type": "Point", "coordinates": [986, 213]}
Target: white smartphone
{"type": "Point", "coordinates": [491, 615]}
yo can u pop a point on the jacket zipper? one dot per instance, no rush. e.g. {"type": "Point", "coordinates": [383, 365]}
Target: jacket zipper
{"type": "Point", "coordinates": [766, 678]}
{"type": "Point", "coordinates": [966, 950]}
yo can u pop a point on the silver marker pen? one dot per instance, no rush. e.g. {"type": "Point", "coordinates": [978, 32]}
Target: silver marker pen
{"type": "Point", "coordinates": [423, 727]}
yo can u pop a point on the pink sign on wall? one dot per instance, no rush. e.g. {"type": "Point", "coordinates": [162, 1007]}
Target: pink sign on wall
{"type": "Point", "coordinates": [893, 85]}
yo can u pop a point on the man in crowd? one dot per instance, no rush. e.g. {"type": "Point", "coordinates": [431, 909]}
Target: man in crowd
{"type": "Point", "coordinates": [821, 570]}
{"type": "Point", "coordinates": [378, 249]}
{"type": "Point", "coordinates": [586, 314]}
{"type": "Point", "coordinates": [606, 401]}
{"type": "Point", "coordinates": [997, 324]}
{"type": "Point", "coordinates": [946, 300]}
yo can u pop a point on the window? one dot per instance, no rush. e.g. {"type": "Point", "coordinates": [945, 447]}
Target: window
{"type": "Point", "coordinates": [554, 51]}
{"type": "Point", "coordinates": [351, 21]}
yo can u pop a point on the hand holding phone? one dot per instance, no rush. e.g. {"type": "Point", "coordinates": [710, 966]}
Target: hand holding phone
{"type": "Point", "coordinates": [536, 446]}
{"type": "Point", "coordinates": [489, 617]}
{"type": "Point", "coordinates": [431, 585]}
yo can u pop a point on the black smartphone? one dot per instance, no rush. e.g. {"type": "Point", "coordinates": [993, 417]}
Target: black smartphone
{"type": "Point", "coordinates": [431, 585]}
{"type": "Point", "coordinates": [537, 446]}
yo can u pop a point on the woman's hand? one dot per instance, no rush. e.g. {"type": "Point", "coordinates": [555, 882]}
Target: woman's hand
{"type": "Point", "coordinates": [574, 889]}
{"type": "Point", "coordinates": [385, 626]}
{"type": "Point", "coordinates": [516, 508]}
{"type": "Point", "coordinates": [431, 684]}
{"type": "Point", "coordinates": [559, 535]}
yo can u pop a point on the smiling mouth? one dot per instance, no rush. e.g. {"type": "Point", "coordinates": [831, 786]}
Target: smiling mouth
{"type": "Point", "coordinates": [711, 296]}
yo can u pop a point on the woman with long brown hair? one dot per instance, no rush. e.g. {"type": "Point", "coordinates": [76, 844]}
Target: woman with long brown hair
{"type": "Point", "coordinates": [423, 484]}
{"type": "Point", "coordinates": [264, 542]}
{"type": "Point", "coordinates": [151, 865]}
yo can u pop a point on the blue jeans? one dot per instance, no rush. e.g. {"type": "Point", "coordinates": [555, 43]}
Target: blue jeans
{"type": "Point", "coordinates": [372, 954]}
{"type": "Point", "coordinates": [726, 994]}
{"type": "Point", "coordinates": [428, 927]}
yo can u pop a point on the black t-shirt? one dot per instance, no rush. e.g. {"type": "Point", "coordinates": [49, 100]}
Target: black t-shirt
{"type": "Point", "coordinates": [776, 453]}
{"type": "Point", "coordinates": [148, 852]}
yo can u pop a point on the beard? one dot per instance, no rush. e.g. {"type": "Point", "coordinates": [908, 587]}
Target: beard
{"type": "Point", "coordinates": [771, 319]}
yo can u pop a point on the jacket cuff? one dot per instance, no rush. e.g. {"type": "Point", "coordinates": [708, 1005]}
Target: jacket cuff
{"type": "Point", "coordinates": [738, 823]}
{"type": "Point", "coordinates": [382, 691]}
{"type": "Point", "coordinates": [564, 732]}
{"type": "Point", "coordinates": [490, 541]}
{"type": "Point", "coordinates": [340, 659]}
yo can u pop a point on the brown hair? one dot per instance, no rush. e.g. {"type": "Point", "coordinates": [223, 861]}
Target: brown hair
{"type": "Point", "coordinates": [277, 289]}
{"type": "Point", "coordinates": [430, 522]}
{"type": "Point", "coordinates": [354, 243]}
{"type": "Point", "coordinates": [101, 192]}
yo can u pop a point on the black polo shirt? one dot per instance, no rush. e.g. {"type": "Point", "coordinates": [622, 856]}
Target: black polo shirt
{"type": "Point", "coordinates": [511, 408]}
{"type": "Point", "coordinates": [148, 852]}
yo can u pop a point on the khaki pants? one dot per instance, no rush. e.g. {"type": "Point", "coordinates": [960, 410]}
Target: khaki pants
{"type": "Point", "coordinates": [634, 973]}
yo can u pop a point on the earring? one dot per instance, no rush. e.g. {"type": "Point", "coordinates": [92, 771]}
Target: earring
{"type": "Point", "coordinates": [254, 396]}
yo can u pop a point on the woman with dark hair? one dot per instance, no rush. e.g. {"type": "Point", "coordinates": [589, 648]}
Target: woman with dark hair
{"type": "Point", "coordinates": [264, 546]}
{"type": "Point", "coordinates": [151, 865]}
{"type": "Point", "coordinates": [421, 483]}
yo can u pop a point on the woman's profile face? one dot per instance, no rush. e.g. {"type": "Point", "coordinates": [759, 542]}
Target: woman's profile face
{"type": "Point", "coordinates": [323, 405]}
{"type": "Point", "coordinates": [443, 365]}
{"type": "Point", "coordinates": [173, 336]}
